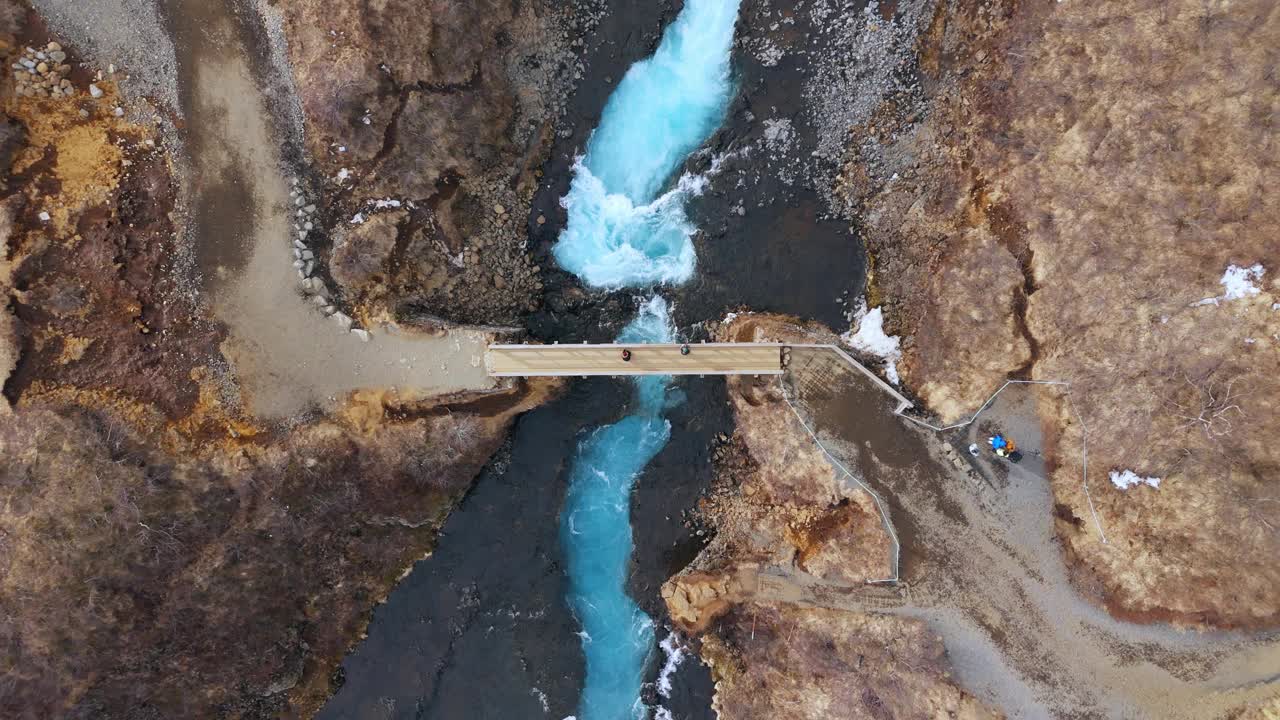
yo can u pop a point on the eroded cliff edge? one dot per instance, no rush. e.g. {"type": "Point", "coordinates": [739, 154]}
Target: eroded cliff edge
{"type": "Point", "coordinates": [1065, 202]}
{"type": "Point", "coordinates": [167, 549]}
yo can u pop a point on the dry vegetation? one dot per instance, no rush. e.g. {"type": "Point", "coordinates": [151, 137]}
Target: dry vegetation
{"type": "Point", "coordinates": [446, 107]}
{"type": "Point", "coordinates": [162, 554]}
{"type": "Point", "coordinates": [1087, 172]}
{"type": "Point", "coordinates": [778, 503]}
{"type": "Point", "coordinates": [821, 664]}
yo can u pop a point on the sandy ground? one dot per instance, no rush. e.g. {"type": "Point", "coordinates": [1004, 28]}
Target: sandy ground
{"type": "Point", "coordinates": [286, 355]}
{"type": "Point", "coordinates": [981, 566]}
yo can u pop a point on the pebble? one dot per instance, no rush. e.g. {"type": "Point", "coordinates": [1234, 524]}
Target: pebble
{"type": "Point", "coordinates": [307, 226]}
{"type": "Point", "coordinates": [298, 201]}
{"type": "Point", "coordinates": [308, 255]}
{"type": "Point", "coordinates": [541, 220]}
{"type": "Point", "coordinates": [57, 56]}
{"type": "Point", "coordinates": [328, 309]}
{"type": "Point", "coordinates": [44, 216]}
{"type": "Point", "coordinates": [302, 234]}
{"type": "Point", "coordinates": [42, 68]}
{"type": "Point", "coordinates": [297, 254]}
{"type": "Point", "coordinates": [298, 264]}
{"type": "Point", "coordinates": [310, 266]}
{"type": "Point", "coordinates": [342, 320]}
{"type": "Point", "coordinates": [498, 209]}
{"type": "Point", "coordinates": [299, 244]}
{"type": "Point", "coordinates": [119, 112]}
{"type": "Point", "coordinates": [362, 334]}
{"type": "Point", "coordinates": [319, 300]}
{"type": "Point", "coordinates": [309, 209]}
{"type": "Point", "coordinates": [53, 47]}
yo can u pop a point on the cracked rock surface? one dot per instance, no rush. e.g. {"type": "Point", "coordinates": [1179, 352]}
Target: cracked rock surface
{"type": "Point", "coordinates": [446, 107]}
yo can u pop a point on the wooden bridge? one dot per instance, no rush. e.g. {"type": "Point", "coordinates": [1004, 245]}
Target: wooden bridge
{"type": "Point", "coordinates": [645, 359]}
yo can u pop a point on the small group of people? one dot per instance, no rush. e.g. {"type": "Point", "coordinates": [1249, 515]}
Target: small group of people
{"type": "Point", "coordinates": [1000, 445]}
{"type": "Point", "coordinates": [626, 352]}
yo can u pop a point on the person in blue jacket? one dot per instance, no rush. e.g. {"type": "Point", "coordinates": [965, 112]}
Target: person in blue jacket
{"type": "Point", "coordinates": [1001, 445]}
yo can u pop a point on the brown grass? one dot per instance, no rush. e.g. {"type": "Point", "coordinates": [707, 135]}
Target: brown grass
{"type": "Point", "coordinates": [785, 662]}
{"type": "Point", "coordinates": [1088, 172]}
{"type": "Point", "coordinates": [162, 554]}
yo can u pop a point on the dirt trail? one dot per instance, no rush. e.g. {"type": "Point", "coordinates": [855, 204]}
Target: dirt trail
{"type": "Point", "coordinates": [981, 566]}
{"type": "Point", "coordinates": [287, 355]}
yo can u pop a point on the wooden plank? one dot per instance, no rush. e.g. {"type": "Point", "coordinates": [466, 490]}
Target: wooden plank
{"type": "Point", "coordinates": [646, 359]}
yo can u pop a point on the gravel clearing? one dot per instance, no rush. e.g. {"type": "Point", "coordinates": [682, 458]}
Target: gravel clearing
{"type": "Point", "coordinates": [140, 47]}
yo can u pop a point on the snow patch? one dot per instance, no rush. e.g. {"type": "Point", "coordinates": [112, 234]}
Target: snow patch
{"type": "Point", "coordinates": [343, 174]}
{"type": "Point", "coordinates": [1128, 478]}
{"type": "Point", "coordinates": [1237, 283]}
{"type": "Point", "coordinates": [357, 219]}
{"type": "Point", "coordinates": [871, 338]}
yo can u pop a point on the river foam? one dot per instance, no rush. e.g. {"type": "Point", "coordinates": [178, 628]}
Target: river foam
{"type": "Point", "coordinates": [623, 230]}
{"type": "Point", "coordinates": [595, 533]}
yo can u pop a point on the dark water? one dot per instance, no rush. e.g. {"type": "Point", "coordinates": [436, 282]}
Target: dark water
{"type": "Point", "coordinates": [483, 622]}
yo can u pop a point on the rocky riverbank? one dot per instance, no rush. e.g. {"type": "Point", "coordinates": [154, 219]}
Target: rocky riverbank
{"type": "Point", "coordinates": [167, 550]}
{"type": "Point", "coordinates": [1029, 218]}
{"type": "Point", "coordinates": [425, 128]}
{"type": "Point", "coordinates": [777, 505]}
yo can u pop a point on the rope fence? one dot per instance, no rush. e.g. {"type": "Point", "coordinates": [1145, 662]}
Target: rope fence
{"type": "Point", "coordinates": [1084, 435]}
{"type": "Point", "coordinates": [900, 412]}
{"type": "Point", "coordinates": [884, 513]}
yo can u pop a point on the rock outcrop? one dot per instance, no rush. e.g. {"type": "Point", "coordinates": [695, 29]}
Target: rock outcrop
{"type": "Point", "coordinates": [165, 552]}
{"type": "Point", "coordinates": [447, 108]}
{"type": "Point", "coordinates": [814, 664]}
{"type": "Point", "coordinates": [786, 521]}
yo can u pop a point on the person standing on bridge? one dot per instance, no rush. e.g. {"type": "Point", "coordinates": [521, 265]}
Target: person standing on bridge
{"type": "Point", "coordinates": [684, 349]}
{"type": "Point", "coordinates": [626, 355]}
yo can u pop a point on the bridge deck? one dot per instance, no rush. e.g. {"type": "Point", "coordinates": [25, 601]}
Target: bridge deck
{"type": "Point", "coordinates": [655, 359]}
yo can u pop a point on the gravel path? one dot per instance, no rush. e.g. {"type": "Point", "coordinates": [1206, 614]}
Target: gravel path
{"type": "Point", "coordinates": [982, 567]}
